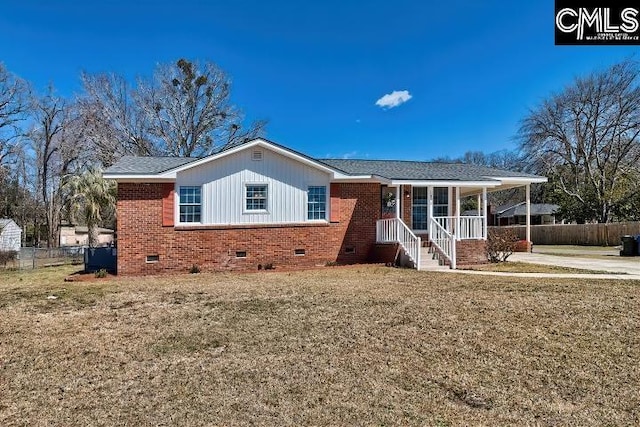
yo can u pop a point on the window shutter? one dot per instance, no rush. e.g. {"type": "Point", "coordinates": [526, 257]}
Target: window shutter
{"type": "Point", "coordinates": [335, 203]}
{"type": "Point", "coordinates": [167, 205]}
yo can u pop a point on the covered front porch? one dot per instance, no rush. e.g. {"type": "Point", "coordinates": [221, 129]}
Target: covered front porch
{"type": "Point", "coordinates": [417, 214]}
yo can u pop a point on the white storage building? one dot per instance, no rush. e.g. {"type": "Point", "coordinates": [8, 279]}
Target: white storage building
{"type": "Point", "coordinates": [10, 235]}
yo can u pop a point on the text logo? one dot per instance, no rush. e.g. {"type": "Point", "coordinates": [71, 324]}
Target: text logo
{"type": "Point", "coordinates": [590, 23]}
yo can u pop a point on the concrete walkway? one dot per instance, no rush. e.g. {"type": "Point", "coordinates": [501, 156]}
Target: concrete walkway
{"type": "Point", "coordinates": [621, 265]}
{"type": "Point", "coordinates": [619, 268]}
{"type": "Point", "coordinates": [587, 276]}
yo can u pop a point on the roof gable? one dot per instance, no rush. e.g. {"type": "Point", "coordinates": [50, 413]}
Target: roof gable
{"type": "Point", "coordinates": [168, 167]}
{"type": "Point", "coordinates": [8, 222]}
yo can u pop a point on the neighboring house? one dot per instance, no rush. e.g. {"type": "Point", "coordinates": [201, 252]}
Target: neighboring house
{"type": "Point", "coordinates": [491, 220]}
{"type": "Point", "coordinates": [79, 236]}
{"type": "Point", "coordinates": [261, 203]}
{"type": "Point", "coordinates": [541, 214]}
{"type": "Point", "coordinates": [10, 235]}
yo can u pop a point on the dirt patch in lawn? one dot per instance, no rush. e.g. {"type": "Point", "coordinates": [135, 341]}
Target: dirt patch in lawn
{"type": "Point", "coordinates": [339, 346]}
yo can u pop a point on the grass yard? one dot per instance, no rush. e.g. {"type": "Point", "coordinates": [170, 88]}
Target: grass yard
{"type": "Point", "coordinates": [336, 346]}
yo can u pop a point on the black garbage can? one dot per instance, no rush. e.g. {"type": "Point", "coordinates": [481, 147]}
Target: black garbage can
{"type": "Point", "coordinates": [638, 245]}
{"type": "Point", "coordinates": [629, 246]}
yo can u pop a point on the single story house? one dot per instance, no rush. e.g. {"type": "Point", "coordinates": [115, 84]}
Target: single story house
{"type": "Point", "coordinates": [260, 204]}
{"type": "Point", "coordinates": [10, 235]}
{"type": "Point", "coordinates": [540, 214]}
{"type": "Point", "coordinates": [78, 235]}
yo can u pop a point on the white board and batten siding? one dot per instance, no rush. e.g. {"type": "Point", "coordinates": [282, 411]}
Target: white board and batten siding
{"type": "Point", "coordinates": [224, 182]}
{"type": "Point", "coordinates": [10, 235]}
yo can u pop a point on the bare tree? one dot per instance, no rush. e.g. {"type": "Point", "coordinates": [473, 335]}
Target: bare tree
{"type": "Point", "coordinates": [189, 110]}
{"type": "Point", "coordinates": [114, 124]}
{"type": "Point", "coordinates": [14, 93]}
{"type": "Point", "coordinates": [587, 137]}
{"type": "Point", "coordinates": [57, 146]}
{"type": "Point", "coordinates": [184, 110]}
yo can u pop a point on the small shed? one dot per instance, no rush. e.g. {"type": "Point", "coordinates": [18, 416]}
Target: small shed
{"type": "Point", "coordinates": [10, 235]}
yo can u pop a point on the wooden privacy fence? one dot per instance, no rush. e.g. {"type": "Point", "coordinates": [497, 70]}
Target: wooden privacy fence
{"type": "Point", "coordinates": [577, 234]}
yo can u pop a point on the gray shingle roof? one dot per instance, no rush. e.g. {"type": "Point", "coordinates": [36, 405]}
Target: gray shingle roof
{"type": "Point", "coordinates": [536, 209]}
{"type": "Point", "coordinates": [390, 169]}
{"type": "Point", "coordinates": [410, 170]}
{"type": "Point", "coordinates": [146, 165]}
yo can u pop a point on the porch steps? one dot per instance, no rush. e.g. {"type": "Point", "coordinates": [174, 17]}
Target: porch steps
{"type": "Point", "coordinates": [430, 261]}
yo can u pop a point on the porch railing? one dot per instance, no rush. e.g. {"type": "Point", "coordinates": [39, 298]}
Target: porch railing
{"type": "Point", "coordinates": [464, 227]}
{"type": "Point", "coordinates": [394, 230]}
{"type": "Point", "coordinates": [443, 240]}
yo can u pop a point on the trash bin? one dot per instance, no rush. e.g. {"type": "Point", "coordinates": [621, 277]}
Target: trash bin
{"type": "Point", "coordinates": [638, 245]}
{"type": "Point", "coordinates": [629, 246]}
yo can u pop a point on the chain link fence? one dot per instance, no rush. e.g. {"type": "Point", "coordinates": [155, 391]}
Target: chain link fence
{"type": "Point", "coordinates": [31, 258]}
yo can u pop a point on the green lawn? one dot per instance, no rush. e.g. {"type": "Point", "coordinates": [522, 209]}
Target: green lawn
{"type": "Point", "coordinates": [358, 345]}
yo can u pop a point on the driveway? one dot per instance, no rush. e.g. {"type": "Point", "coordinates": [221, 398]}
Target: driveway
{"type": "Point", "coordinates": [605, 259]}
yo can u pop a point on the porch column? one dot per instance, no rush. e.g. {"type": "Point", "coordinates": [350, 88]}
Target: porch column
{"type": "Point", "coordinates": [398, 201]}
{"type": "Point", "coordinates": [528, 204]}
{"type": "Point", "coordinates": [430, 209]}
{"type": "Point", "coordinates": [457, 219]}
{"type": "Point", "coordinates": [485, 213]}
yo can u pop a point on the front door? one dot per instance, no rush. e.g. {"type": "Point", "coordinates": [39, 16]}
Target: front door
{"type": "Point", "coordinates": [420, 206]}
{"type": "Point", "coordinates": [420, 209]}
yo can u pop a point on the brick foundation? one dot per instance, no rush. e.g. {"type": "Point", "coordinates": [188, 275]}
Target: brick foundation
{"type": "Point", "coordinates": [523, 246]}
{"type": "Point", "coordinates": [214, 248]}
{"type": "Point", "coordinates": [384, 253]}
{"type": "Point", "coordinates": [471, 252]}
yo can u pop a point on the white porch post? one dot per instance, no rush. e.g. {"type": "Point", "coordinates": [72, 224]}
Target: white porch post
{"type": "Point", "coordinates": [398, 201]}
{"type": "Point", "coordinates": [457, 213]}
{"type": "Point", "coordinates": [430, 209]}
{"type": "Point", "coordinates": [397, 223]}
{"type": "Point", "coordinates": [485, 213]}
{"type": "Point", "coordinates": [528, 192]}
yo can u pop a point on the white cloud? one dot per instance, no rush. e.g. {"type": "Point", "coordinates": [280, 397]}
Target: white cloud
{"type": "Point", "coordinates": [350, 155]}
{"type": "Point", "coordinates": [394, 99]}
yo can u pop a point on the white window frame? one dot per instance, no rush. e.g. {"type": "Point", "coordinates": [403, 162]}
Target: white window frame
{"type": "Point", "coordinates": [448, 204]}
{"type": "Point", "coordinates": [179, 204]}
{"type": "Point", "coordinates": [267, 202]}
{"type": "Point", "coordinates": [326, 203]}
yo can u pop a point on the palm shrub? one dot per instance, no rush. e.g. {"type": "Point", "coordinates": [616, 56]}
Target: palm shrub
{"type": "Point", "coordinates": [90, 196]}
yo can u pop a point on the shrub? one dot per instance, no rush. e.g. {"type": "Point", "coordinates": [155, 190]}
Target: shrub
{"type": "Point", "coordinates": [501, 243]}
{"type": "Point", "coordinates": [101, 274]}
{"type": "Point", "coordinates": [194, 269]}
{"type": "Point", "coordinates": [6, 256]}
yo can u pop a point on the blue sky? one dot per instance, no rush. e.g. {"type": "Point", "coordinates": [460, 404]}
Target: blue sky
{"type": "Point", "coordinates": [316, 69]}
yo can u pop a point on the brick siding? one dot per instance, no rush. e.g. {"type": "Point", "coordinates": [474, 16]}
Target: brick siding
{"type": "Point", "coordinates": [213, 248]}
{"type": "Point", "coordinates": [471, 252]}
{"type": "Point", "coordinates": [407, 197]}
